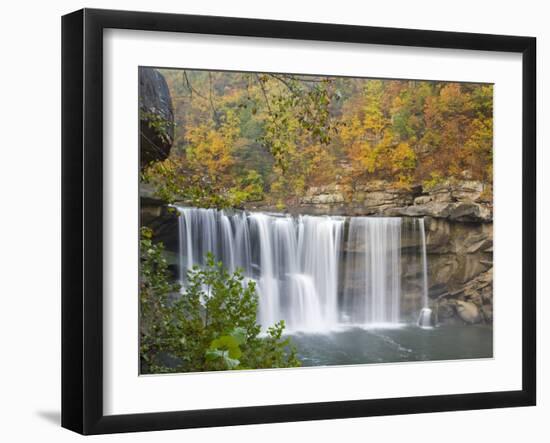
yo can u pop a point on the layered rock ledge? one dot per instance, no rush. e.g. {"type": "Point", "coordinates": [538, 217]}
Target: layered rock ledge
{"type": "Point", "coordinates": [464, 201]}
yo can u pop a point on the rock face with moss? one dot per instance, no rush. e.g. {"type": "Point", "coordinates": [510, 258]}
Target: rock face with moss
{"type": "Point", "coordinates": [156, 116]}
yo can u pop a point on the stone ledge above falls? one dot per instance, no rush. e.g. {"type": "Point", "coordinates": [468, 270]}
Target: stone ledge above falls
{"type": "Point", "coordinates": [461, 201]}
{"type": "Point", "coordinates": [453, 211]}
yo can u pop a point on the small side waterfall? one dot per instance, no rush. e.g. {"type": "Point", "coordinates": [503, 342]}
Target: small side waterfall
{"type": "Point", "coordinates": [424, 264]}
{"type": "Point", "coordinates": [314, 272]}
{"type": "Point", "coordinates": [425, 317]}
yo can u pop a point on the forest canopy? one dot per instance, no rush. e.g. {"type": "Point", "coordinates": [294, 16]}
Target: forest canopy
{"type": "Point", "coordinates": [250, 137]}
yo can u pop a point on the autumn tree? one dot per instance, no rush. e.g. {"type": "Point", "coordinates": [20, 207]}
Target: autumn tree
{"type": "Point", "coordinates": [249, 137]}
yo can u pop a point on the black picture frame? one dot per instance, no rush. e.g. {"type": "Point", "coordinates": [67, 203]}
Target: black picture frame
{"type": "Point", "coordinates": [82, 218]}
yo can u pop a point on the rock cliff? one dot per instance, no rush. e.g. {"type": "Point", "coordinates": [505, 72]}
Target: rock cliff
{"type": "Point", "coordinates": [464, 201]}
{"type": "Point", "coordinates": [156, 116]}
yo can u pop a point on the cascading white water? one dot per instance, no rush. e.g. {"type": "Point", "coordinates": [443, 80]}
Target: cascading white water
{"type": "Point", "coordinates": [305, 311]}
{"type": "Point", "coordinates": [307, 271]}
{"type": "Point", "coordinates": [197, 236]}
{"type": "Point", "coordinates": [227, 241]}
{"type": "Point", "coordinates": [373, 283]}
{"type": "Point", "coordinates": [297, 269]}
{"type": "Point", "coordinates": [242, 243]}
{"type": "Point", "coordinates": [319, 240]}
{"type": "Point", "coordinates": [424, 264]}
{"type": "Point", "coordinates": [268, 282]}
{"type": "Point", "coordinates": [185, 251]}
{"type": "Point", "coordinates": [425, 317]}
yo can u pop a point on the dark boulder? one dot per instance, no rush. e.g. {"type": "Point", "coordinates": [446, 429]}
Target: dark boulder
{"type": "Point", "coordinates": [156, 116]}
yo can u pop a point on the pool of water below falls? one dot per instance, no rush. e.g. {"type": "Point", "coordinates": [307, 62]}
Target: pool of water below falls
{"type": "Point", "coordinates": [355, 345]}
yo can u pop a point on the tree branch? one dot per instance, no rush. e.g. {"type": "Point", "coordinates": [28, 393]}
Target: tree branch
{"type": "Point", "coordinates": [264, 93]}
{"type": "Point", "coordinates": [190, 87]}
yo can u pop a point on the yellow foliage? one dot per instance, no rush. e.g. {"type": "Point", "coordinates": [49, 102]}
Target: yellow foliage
{"type": "Point", "coordinates": [403, 131]}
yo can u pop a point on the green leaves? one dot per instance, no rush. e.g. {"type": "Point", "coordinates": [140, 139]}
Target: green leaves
{"type": "Point", "coordinates": [227, 343]}
{"type": "Point", "coordinates": [298, 113]}
{"type": "Point", "coordinates": [239, 334]}
{"type": "Point", "coordinates": [158, 123]}
{"type": "Point", "coordinates": [226, 348]}
{"type": "Point", "coordinates": [224, 356]}
{"type": "Point", "coordinates": [211, 326]}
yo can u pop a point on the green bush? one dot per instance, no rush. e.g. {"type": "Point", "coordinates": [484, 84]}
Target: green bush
{"type": "Point", "coordinates": [211, 326]}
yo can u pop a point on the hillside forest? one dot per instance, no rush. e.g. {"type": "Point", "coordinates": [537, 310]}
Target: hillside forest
{"type": "Point", "coordinates": [251, 137]}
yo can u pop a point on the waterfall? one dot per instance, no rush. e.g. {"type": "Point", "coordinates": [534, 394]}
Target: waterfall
{"type": "Point", "coordinates": [314, 272]}
{"type": "Point", "coordinates": [373, 284]}
{"type": "Point", "coordinates": [206, 230]}
{"type": "Point", "coordinates": [424, 264]}
{"type": "Point", "coordinates": [319, 239]}
{"type": "Point", "coordinates": [298, 269]}
{"type": "Point", "coordinates": [425, 318]}
{"type": "Point", "coordinates": [242, 243]}
{"type": "Point", "coordinates": [227, 242]}
{"type": "Point", "coordinates": [268, 282]}
{"type": "Point", "coordinates": [185, 253]}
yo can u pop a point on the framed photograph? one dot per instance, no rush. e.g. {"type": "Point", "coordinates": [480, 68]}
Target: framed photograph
{"type": "Point", "coordinates": [270, 221]}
